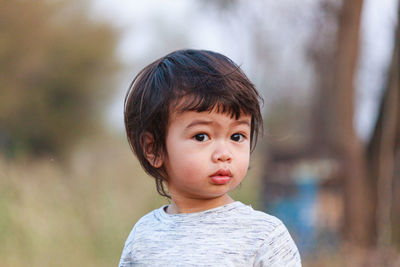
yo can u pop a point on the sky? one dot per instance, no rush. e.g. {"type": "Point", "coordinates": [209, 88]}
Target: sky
{"type": "Point", "coordinates": [378, 25]}
{"type": "Point", "coordinates": [150, 29]}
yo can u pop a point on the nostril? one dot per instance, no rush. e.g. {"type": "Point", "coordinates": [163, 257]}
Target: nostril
{"type": "Point", "coordinates": [221, 155]}
{"type": "Point", "coordinates": [225, 157]}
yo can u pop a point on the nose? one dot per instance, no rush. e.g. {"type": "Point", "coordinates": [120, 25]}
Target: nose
{"type": "Point", "coordinates": [222, 154]}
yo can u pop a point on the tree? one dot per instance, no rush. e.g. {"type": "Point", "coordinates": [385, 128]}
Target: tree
{"type": "Point", "coordinates": [368, 169]}
{"type": "Point", "coordinates": [384, 152]}
{"type": "Point", "coordinates": [348, 147]}
{"type": "Point", "coordinates": [55, 66]}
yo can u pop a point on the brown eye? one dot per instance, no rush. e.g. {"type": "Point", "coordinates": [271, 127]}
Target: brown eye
{"type": "Point", "coordinates": [237, 137]}
{"type": "Point", "coordinates": [201, 137]}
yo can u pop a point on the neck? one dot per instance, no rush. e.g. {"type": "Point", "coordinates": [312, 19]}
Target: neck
{"type": "Point", "coordinates": [196, 205]}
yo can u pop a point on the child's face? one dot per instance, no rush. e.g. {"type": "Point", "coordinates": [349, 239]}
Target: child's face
{"type": "Point", "coordinates": [207, 154]}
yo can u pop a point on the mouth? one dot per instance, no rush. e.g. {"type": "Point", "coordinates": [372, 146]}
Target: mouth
{"type": "Point", "coordinates": [221, 177]}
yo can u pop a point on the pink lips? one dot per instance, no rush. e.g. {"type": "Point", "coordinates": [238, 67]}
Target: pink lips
{"type": "Point", "coordinates": [221, 177]}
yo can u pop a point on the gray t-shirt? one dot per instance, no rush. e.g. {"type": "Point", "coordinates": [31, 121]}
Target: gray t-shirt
{"type": "Point", "coordinates": [230, 235]}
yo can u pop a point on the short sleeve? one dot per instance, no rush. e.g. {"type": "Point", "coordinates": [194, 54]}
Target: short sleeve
{"type": "Point", "coordinates": [126, 259]}
{"type": "Point", "coordinates": [278, 250]}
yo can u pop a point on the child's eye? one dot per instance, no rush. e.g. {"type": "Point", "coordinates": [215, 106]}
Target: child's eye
{"type": "Point", "coordinates": [237, 137]}
{"type": "Point", "coordinates": [201, 137]}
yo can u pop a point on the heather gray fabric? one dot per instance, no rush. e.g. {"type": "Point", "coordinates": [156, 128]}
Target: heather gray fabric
{"type": "Point", "coordinates": [230, 235]}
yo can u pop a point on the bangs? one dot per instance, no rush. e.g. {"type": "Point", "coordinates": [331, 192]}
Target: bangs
{"type": "Point", "coordinates": [223, 93]}
{"type": "Point", "coordinates": [202, 103]}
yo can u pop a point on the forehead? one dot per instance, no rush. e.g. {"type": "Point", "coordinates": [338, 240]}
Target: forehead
{"type": "Point", "coordinates": [213, 117]}
{"type": "Point", "coordinates": [204, 106]}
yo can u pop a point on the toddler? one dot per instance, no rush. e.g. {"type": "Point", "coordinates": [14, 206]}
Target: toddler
{"type": "Point", "coordinates": [192, 118]}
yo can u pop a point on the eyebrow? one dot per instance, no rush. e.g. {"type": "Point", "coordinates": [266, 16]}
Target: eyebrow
{"type": "Point", "coordinates": [206, 122]}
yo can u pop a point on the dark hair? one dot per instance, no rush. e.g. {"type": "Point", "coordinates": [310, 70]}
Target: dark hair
{"type": "Point", "coordinates": [206, 79]}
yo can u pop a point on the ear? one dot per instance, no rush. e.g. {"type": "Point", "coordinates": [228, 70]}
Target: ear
{"type": "Point", "coordinates": [148, 146]}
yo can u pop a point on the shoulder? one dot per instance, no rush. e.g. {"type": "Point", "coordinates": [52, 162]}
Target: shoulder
{"type": "Point", "coordinates": [144, 222]}
{"type": "Point", "coordinates": [141, 225]}
{"type": "Point", "coordinates": [265, 223]}
{"type": "Point", "coordinates": [147, 218]}
{"type": "Point", "coordinates": [277, 247]}
{"type": "Point", "coordinates": [278, 250]}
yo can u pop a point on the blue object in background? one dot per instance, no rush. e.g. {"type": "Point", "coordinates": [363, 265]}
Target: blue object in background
{"type": "Point", "coordinates": [297, 212]}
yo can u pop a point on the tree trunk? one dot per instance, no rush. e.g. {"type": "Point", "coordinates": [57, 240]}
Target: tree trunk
{"type": "Point", "coordinates": [333, 112]}
{"type": "Point", "coordinates": [383, 152]}
{"type": "Point", "coordinates": [322, 54]}
{"type": "Point", "coordinates": [358, 213]}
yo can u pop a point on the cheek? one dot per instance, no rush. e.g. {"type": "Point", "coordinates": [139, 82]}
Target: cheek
{"type": "Point", "coordinates": [192, 165]}
{"type": "Point", "coordinates": [187, 165]}
{"type": "Point", "coordinates": [243, 162]}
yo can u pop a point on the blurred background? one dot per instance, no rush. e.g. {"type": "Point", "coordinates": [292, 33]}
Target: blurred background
{"type": "Point", "coordinates": [328, 165]}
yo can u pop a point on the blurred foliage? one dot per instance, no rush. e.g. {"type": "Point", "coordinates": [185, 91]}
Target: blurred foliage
{"type": "Point", "coordinates": [76, 216]}
{"type": "Point", "coordinates": [55, 68]}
